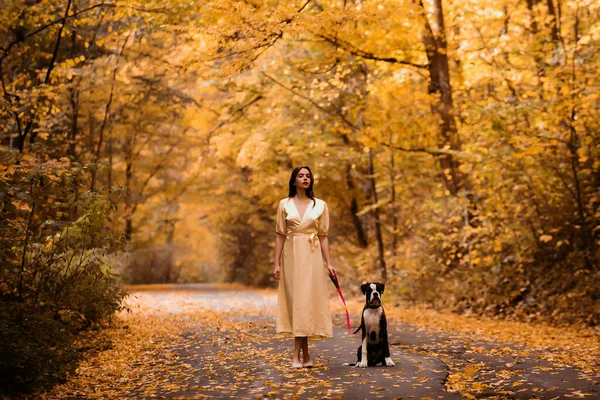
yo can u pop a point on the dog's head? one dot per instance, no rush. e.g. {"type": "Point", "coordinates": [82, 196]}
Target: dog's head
{"type": "Point", "coordinates": [373, 292]}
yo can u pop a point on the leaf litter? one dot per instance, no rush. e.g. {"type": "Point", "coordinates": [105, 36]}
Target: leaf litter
{"type": "Point", "coordinates": [179, 345]}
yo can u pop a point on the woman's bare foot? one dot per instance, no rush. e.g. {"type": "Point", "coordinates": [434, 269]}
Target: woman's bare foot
{"type": "Point", "coordinates": [307, 362]}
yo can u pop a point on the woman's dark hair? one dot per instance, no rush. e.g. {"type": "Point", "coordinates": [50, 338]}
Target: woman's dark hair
{"type": "Point", "coordinates": [309, 191]}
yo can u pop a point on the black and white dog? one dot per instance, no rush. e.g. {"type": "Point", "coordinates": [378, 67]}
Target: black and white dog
{"type": "Point", "coordinates": [375, 348]}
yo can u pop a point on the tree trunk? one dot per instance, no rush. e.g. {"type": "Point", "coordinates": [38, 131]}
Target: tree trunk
{"type": "Point", "coordinates": [585, 233]}
{"type": "Point", "coordinates": [553, 21]}
{"type": "Point", "coordinates": [74, 98]}
{"type": "Point", "coordinates": [530, 5]}
{"type": "Point", "coordinates": [441, 91]}
{"type": "Point", "coordinates": [378, 234]}
{"type": "Point", "coordinates": [169, 270]}
{"type": "Point", "coordinates": [107, 111]}
{"type": "Point", "coordinates": [128, 229]}
{"type": "Point", "coordinates": [128, 183]}
{"type": "Point", "coordinates": [394, 244]}
{"type": "Point", "coordinates": [110, 163]}
{"type": "Point", "coordinates": [360, 232]}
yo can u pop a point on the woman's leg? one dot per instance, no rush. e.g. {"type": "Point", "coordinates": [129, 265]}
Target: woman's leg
{"type": "Point", "coordinates": [297, 347]}
{"type": "Point", "coordinates": [305, 355]}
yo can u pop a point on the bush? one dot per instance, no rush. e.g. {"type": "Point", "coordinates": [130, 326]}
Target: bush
{"type": "Point", "coordinates": [151, 265]}
{"type": "Point", "coordinates": [54, 280]}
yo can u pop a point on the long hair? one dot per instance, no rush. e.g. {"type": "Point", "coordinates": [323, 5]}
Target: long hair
{"type": "Point", "coordinates": [309, 191]}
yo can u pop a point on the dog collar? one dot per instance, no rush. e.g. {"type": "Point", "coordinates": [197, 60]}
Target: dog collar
{"type": "Point", "coordinates": [374, 306]}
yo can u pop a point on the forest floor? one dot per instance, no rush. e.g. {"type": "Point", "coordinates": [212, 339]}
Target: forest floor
{"type": "Point", "coordinates": [201, 341]}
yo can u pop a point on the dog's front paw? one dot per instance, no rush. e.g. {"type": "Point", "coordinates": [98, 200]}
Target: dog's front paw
{"type": "Point", "coordinates": [389, 362]}
{"type": "Point", "coordinates": [362, 364]}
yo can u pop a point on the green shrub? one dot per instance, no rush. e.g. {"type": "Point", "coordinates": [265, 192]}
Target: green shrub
{"type": "Point", "coordinates": [55, 280]}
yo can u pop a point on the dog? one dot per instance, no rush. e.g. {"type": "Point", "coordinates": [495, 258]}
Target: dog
{"type": "Point", "coordinates": [374, 348]}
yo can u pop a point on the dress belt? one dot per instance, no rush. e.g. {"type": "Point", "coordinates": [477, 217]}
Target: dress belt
{"type": "Point", "coordinates": [313, 239]}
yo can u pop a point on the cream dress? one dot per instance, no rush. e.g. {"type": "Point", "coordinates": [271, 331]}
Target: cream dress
{"type": "Point", "coordinates": [303, 294]}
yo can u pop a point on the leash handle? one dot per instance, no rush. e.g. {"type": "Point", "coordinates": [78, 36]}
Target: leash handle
{"type": "Point", "coordinates": [334, 278]}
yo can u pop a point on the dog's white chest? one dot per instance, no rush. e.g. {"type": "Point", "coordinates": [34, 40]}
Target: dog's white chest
{"type": "Point", "coordinates": [372, 317]}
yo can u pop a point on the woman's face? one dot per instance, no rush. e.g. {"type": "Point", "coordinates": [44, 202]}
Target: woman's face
{"type": "Point", "coordinates": [303, 179]}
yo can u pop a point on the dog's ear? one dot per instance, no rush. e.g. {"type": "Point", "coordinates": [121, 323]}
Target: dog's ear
{"type": "Point", "coordinates": [381, 287]}
{"type": "Point", "coordinates": [364, 287]}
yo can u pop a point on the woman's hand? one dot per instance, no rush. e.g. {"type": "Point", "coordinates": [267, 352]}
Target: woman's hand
{"type": "Point", "coordinates": [277, 271]}
{"type": "Point", "coordinates": [331, 270]}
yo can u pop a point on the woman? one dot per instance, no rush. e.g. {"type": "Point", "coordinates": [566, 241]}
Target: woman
{"type": "Point", "coordinates": [303, 297]}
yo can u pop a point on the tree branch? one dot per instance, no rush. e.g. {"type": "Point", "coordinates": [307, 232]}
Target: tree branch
{"type": "Point", "coordinates": [326, 111]}
{"type": "Point", "coordinates": [75, 14]}
{"type": "Point", "coordinates": [226, 121]}
{"type": "Point", "coordinates": [156, 169]}
{"type": "Point", "coordinates": [432, 152]}
{"type": "Point", "coordinates": [29, 125]}
{"type": "Point", "coordinates": [424, 150]}
{"type": "Point", "coordinates": [62, 20]}
{"type": "Point", "coordinates": [275, 35]}
{"type": "Point", "coordinates": [355, 51]}
{"type": "Point", "coordinates": [107, 109]}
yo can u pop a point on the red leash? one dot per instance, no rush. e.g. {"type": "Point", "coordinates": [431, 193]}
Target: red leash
{"type": "Point", "coordinates": [335, 281]}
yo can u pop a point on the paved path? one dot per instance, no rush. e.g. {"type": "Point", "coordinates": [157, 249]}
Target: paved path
{"type": "Point", "coordinates": [239, 358]}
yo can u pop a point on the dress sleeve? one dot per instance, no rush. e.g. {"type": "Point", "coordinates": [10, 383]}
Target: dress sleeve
{"type": "Point", "coordinates": [323, 221]}
{"type": "Point", "coordinates": [280, 221]}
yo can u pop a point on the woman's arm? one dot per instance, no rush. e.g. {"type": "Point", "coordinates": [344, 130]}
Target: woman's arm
{"type": "Point", "coordinates": [325, 251]}
{"type": "Point", "coordinates": [279, 242]}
